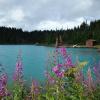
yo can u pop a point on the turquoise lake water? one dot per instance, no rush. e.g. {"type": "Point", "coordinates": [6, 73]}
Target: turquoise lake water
{"type": "Point", "coordinates": [35, 58]}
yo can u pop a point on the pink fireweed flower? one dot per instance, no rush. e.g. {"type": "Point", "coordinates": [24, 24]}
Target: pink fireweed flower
{"type": "Point", "coordinates": [60, 74]}
{"type": "Point", "coordinates": [50, 79]}
{"type": "Point", "coordinates": [4, 78]}
{"type": "Point", "coordinates": [97, 73]}
{"type": "Point", "coordinates": [89, 75]}
{"type": "Point", "coordinates": [3, 83]}
{"type": "Point", "coordinates": [58, 70]}
{"type": "Point", "coordinates": [60, 65]}
{"type": "Point", "coordinates": [35, 88]}
{"type": "Point", "coordinates": [63, 62]}
{"type": "Point", "coordinates": [55, 69]}
{"type": "Point", "coordinates": [68, 62]}
{"type": "Point", "coordinates": [2, 89]}
{"type": "Point", "coordinates": [95, 69]}
{"type": "Point", "coordinates": [18, 75]}
{"type": "Point", "coordinates": [63, 52]}
{"type": "Point", "coordinates": [89, 82]}
{"type": "Point", "coordinates": [79, 77]}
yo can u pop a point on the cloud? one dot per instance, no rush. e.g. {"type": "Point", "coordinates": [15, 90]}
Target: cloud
{"type": "Point", "coordinates": [17, 14]}
{"type": "Point", "coordinates": [47, 14]}
{"type": "Point", "coordinates": [48, 25]}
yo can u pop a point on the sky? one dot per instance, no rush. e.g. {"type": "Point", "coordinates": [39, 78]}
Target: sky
{"type": "Point", "coordinates": [47, 14]}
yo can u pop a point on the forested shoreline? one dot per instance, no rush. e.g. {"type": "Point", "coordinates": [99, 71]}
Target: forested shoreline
{"type": "Point", "coordinates": [77, 35]}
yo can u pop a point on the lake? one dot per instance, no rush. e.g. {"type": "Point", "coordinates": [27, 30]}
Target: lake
{"type": "Point", "coordinates": [35, 58]}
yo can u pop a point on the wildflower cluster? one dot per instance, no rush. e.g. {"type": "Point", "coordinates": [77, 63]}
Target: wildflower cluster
{"type": "Point", "coordinates": [60, 68]}
{"type": "Point", "coordinates": [3, 82]}
{"type": "Point", "coordinates": [65, 81]}
{"type": "Point", "coordinates": [18, 75]}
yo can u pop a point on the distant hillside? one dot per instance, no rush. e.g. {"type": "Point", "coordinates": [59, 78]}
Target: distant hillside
{"type": "Point", "coordinates": [78, 35]}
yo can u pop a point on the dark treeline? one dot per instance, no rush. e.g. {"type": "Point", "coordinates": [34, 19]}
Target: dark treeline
{"type": "Point", "coordinates": [78, 35]}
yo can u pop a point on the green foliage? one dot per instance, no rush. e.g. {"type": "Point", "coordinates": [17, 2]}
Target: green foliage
{"type": "Point", "coordinates": [97, 93]}
{"type": "Point", "coordinates": [19, 92]}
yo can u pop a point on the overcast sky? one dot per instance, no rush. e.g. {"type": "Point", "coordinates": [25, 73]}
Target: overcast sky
{"type": "Point", "coordinates": [47, 14]}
